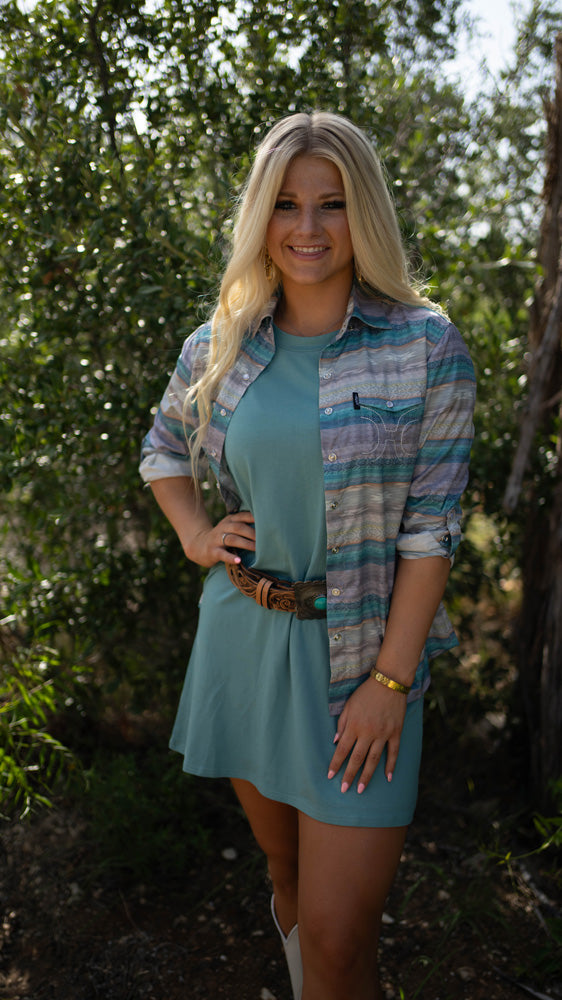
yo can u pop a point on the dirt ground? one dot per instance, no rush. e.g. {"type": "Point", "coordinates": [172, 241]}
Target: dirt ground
{"type": "Point", "coordinates": [457, 925]}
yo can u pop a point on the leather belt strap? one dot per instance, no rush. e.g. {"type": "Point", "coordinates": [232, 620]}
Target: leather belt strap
{"type": "Point", "coordinates": [306, 598]}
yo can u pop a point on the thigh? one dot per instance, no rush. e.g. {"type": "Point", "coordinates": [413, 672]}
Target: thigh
{"type": "Point", "coordinates": [274, 824]}
{"type": "Point", "coordinates": [348, 871]}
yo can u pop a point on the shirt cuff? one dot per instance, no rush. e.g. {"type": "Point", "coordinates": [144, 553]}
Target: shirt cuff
{"type": "Point", "coordinates": [159, 466]}
{"type": "Point", "coordinates": [429, 543]}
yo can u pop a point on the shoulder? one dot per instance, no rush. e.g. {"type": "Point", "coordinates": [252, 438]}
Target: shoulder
{"type": "Point", "coordinates": [417, 322]}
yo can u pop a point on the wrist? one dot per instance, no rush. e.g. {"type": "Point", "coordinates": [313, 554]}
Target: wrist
{"type": "Point", "coordinates": [389, 682]}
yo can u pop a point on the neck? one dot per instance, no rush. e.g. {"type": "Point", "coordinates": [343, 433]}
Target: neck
{"type": "Point", "coordinates": [308, 313]}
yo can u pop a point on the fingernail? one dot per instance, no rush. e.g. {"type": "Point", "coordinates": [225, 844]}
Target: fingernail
{"type": "Point", "coordinates": [237, 559]}
{"type": "Point", "coordinates": [344, 786]}
{"type": "Point", "coordinates": [389, 777]}
{"type": "Point", "coordinates": [331, 775]}
{"type": "Point", "coordinates": [336, 737]}
{"type": "Point", "coordinates": [360, 787]}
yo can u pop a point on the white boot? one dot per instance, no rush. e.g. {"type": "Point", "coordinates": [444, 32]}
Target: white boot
{"type": "Point", "coordinates": [292, 953]}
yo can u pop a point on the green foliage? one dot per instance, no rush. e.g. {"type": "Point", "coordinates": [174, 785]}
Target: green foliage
{"type": "Point", "coordinates": [33, 689]}
{"type": "Point", "coordinates": [145, 817]}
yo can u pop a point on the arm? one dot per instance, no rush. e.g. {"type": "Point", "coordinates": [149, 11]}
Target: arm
{"type": "Point", "coordinates": [202, 541]}
{"type": "Point", "coordinates": [430, 532]}
{"type": "Point", "coordinates": [374, 714]}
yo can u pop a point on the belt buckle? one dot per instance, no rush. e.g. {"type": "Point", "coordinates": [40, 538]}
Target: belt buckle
{"type": "Point", "coordinates": [310, 599]}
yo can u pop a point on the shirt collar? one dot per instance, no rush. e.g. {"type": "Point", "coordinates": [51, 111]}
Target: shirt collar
{"type": "Point", "coordinates": [362, 310]}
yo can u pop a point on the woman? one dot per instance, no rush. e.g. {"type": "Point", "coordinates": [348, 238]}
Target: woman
{"type": "Point", "coordinates": [334, 407]}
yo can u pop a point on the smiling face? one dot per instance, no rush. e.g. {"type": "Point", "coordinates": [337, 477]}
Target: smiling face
{"type": "Point", "coordinates": [308, 234]}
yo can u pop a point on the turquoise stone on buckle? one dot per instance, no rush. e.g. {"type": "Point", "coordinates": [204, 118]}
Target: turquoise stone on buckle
{"type": "Point", "coordinates": [310, 599]}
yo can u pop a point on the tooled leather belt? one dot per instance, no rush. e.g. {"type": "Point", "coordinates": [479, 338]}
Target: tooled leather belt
{"type": "Point", "coordinates": [307, 598]}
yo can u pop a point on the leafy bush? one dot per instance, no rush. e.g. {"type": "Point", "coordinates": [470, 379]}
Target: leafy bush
{"type": "Point", "coordinates": [146, 818]}
{"type": "Point", "coordinates": [33, 689]}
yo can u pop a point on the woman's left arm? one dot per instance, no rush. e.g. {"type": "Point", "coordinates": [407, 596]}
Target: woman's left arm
{"type": "Point", "coordinates": [374, 714]}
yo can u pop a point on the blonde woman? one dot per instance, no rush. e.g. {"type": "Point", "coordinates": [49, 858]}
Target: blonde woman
{"type": "Point", "coordinates": [333, 405]}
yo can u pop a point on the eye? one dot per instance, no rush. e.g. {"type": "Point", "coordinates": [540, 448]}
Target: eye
{"type": "Point", "coordinates": [284, 205]}
{"type": "Point", "coordinates": [335, 205]}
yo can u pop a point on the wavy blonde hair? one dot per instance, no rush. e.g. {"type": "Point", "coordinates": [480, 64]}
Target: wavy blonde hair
{"type": "Point", "coordinates": [375, 235]}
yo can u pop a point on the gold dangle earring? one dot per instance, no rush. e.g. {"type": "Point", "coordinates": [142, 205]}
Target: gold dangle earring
{"type": "Point", "coordinates": [358, 274]}
{"type": "Point", "coordinates": [267, 264]}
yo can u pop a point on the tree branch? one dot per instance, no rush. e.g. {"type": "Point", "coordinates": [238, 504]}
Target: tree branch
{"type": "Point", "coordinates": [104, 77]}
{"type": "Point", "coordinates": [544, 358]}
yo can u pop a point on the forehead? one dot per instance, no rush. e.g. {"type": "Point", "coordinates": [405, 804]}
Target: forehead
{"type": "Point", "coordinates": [312, 173]}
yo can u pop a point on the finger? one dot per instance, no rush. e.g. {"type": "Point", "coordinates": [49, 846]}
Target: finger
{"type": "Point", "coordinates": [372, 761]}
{"type": "Point", "coordinates": [356, 759]}
{"type": "Point", "coordinates": [344, 748]}
{"type": "Point", "coordinates": [231, 543]}
{"type": "Point", "coordinates": [242, 517]}
{"type": "Point", "coordinates": [228, 556]}
{"type": "Point", "coordinates": [391, 757]}
{"type": "Point", "coordinates": [236, 530]}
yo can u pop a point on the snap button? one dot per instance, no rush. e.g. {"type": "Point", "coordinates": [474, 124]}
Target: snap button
{"type": "Point", "coordinates": [332, 457]}
{"type": "Point", "coordinates": [326, 375]}
{"type": "Point", "coordinates": [245, 376]}
{"type": "Point", "coordinates": [337, 637]}
{"type": "Point", "coordinates": [328, 409]}
{"type": "Point", "coordinates": [335, 549]}
{"type": "Point", "coordinates": [223, 413]}
{"type": "Point", "coordinates": [334, 504]}
{"type": "Point", "coordinates": [389, 404]}
{"type": "Point", "coordinates": [336, 591]}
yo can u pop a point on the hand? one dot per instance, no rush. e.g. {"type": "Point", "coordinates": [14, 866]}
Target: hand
{"type": "Point", "coordinates": [211, 544]}
{"type": "Point", "coordinates": [372, 718]}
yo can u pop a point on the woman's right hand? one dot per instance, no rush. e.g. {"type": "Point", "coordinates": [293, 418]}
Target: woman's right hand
{"type": "Point", "coordinates": [212, 543]}
{"type": "Point", "coordinates": [202, 542]}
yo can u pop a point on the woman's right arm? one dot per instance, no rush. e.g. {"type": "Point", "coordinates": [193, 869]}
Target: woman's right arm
{"type": "Point", "coordinates": [202, 541]}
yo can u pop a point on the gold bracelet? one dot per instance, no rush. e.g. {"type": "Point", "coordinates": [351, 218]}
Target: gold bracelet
{"type": "Point", "coordinates": [393, 685]}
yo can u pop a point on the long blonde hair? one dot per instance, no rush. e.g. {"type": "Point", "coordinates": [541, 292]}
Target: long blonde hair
{"type": "Point", "coordinates": [375, 235]}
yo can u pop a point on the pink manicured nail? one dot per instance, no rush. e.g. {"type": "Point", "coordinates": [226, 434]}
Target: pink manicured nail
{"type": "Point", "coordinates": [237, 559]}
{"type": "Point", "coordinates": [331, 775]}
{"type": "Point", "coordinates": [360, 787]}
{"type": "Point", "coordinates": [336, 737]}
{"type": "Point", "coordinates": [389, 777]}
{"type": "Point", "coordinates": [344, 786]}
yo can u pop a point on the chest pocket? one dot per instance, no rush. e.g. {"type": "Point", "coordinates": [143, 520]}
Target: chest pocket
{"type": "Point", "coordinates": [387, 429]}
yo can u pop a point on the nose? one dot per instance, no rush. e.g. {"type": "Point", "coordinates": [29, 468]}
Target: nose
{"type": "Point", "coordinates": [308, 221]}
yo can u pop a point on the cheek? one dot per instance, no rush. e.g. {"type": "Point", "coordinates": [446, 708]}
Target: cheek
{"type": "Point", "coordinates": [272, 233]}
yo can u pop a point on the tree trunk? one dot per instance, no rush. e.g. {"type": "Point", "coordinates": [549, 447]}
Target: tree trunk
{"type": "Point", "coordinates": [540, 626]}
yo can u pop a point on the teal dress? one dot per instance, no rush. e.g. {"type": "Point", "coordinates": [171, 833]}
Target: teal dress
{"type": "Point", "coordinates": [255, 699]}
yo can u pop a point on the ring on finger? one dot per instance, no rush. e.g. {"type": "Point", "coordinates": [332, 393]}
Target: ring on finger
{"type": "Point", "coordinates": [224, 534]}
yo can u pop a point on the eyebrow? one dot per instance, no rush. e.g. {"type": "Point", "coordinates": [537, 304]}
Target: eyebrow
{"type": "Point", "coordinates": [328, 194]}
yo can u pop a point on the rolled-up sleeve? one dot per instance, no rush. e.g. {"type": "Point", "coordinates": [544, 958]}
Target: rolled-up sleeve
{"type": "Point", "coordinates": [165, 449]}
{"type": "Point", "coordinates": [431, 523]}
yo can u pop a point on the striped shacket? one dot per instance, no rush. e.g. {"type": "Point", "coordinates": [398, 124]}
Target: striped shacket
{"type": "Point", "coordinates": [396, 398]}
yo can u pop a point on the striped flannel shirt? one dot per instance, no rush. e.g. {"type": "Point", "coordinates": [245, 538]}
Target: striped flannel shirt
{"type": "Point", "coordinates": [396, 397]}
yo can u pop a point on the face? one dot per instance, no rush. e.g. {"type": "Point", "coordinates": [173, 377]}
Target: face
{"type": "Point", "coordinates": [308, 234]}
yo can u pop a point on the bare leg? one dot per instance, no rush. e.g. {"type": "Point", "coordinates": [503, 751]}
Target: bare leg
{"type": "Point", "coordinates": [345, 874]}
{"type": "Point", "coordinates": [275, 827]}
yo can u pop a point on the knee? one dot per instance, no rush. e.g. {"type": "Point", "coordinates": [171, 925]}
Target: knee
{"type": "Point", "coordinates": [283, 869]}
{"type": "Point", "coordinates": [341, 951]}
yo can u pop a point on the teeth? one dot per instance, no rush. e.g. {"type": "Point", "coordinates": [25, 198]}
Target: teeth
{"type": "Point", "coordinates": [310, 250]}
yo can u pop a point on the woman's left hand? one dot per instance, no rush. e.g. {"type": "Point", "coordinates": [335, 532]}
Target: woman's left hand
{"type": "Point", "coordinates": [372, 718]}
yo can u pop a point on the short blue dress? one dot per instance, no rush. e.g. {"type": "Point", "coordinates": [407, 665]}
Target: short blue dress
{"type": "Point", "coordinates": [255, 700]}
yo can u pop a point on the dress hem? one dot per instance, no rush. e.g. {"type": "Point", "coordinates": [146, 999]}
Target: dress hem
{"type": "Point", "coordinates": [385, 821]}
